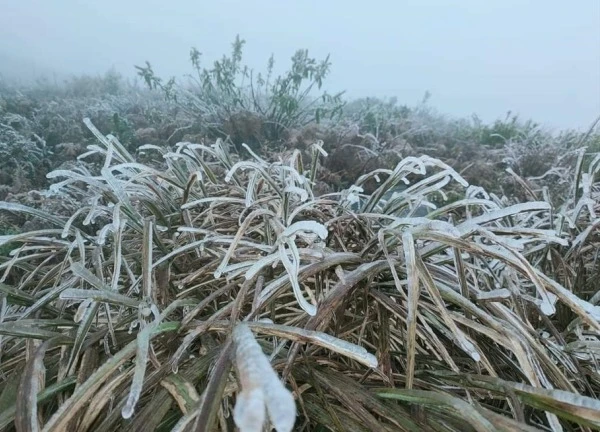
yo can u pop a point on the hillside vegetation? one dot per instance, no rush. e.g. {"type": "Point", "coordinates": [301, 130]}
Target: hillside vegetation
{"type": "Point", "coordinates": [226, 252]}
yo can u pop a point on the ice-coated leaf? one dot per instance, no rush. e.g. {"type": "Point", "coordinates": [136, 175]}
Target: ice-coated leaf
{"type": "Point", "coordinates": [298, 191]}
{"type": "Point", "coordinates": [260, 387]}
{"type": "Point", "coordinates": [141, 358]}
{"type": "Point", "coordinates": [249, 413]}
{"type": "Point", "coordinates": [260, 264]}
{"type": "Point", "coordinates": [340, 346]}
{"type": "Point", "coordinates": [292, 268]}
{"type": "Point", "coordinates": [306, 226]}
{"type": "Point", "coordinates": [98, 296]}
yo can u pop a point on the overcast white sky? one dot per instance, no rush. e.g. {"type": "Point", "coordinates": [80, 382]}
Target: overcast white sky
{"type": "Point", "coordinates": [540, 58]}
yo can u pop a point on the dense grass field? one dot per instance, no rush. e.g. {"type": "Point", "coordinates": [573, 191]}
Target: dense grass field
{"type": "Point", "coordinates": [227, 252]}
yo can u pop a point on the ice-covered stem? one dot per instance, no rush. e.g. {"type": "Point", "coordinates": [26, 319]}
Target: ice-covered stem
{"type": "Point", "coordinates": [260, 388]}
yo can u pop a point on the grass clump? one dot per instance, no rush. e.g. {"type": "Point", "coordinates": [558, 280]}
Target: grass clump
{"type": "Point", "coordinates": [123, 310]}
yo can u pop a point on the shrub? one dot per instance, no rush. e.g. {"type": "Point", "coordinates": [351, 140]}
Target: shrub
{"type": "Point", "coordinates": [511, 128]}
{"type": "Point", "coordinates": [230, 92]}
{"type": "Point", "coordinates": [41, 127]}
{"type": "Point", "coordinates": [378, 117]}
{"type": "Point", "coordinates": [111, 83]}
{"type": "Point", "coordinates": [22, 152]}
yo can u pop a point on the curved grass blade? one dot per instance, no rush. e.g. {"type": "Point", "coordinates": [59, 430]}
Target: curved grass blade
{"type": "Point", "coordinates": [81, 396]}
{"type": "Point", "coordinates": [453, 406]}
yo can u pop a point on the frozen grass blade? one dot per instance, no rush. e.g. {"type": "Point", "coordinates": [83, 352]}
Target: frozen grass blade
{"type": "Point", "coordinates": [455, 407]}
{"type": "Point", "coordinates": [141, 358]}
{"type": "Point", "coordinates": [260, 388]}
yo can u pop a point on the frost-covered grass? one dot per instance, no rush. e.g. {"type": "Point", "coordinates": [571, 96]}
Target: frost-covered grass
{"type": "Point", "coordinates": [143, 301]}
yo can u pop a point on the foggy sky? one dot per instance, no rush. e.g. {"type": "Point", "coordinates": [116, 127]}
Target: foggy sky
{"type": "Point", "coordinates": [540, 58]}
